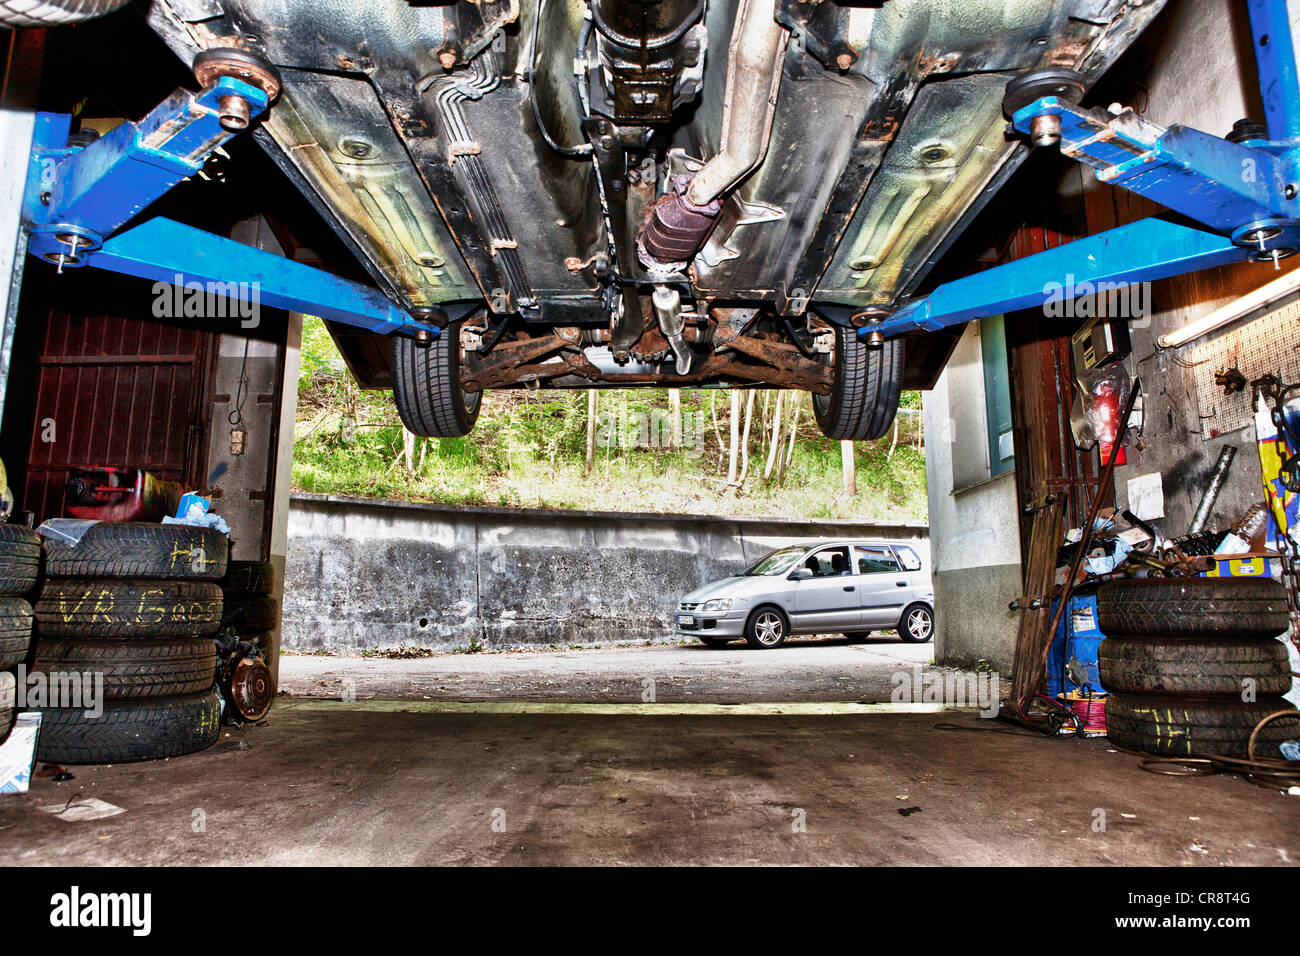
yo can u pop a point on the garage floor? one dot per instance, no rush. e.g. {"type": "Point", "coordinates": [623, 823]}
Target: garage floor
{"type": "Point", "coordinates": [417, 771]}
{"type": "Point", "coordinates": [328, 783]}
{"type": "Point", "coordinates": [805, 668]}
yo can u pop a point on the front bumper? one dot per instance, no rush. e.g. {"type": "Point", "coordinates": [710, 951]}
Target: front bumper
{"type": "Point", "coordinates": [713, 623]}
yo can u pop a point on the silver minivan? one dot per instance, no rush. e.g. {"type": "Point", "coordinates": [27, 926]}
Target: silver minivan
{"type": "Point", "coordinates": [849, 587]}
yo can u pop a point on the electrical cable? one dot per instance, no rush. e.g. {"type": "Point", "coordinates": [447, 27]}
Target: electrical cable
{"type": "Point", "coordinates": [573, 152]}
{"type": "Point", "coordinates": [236, 416]}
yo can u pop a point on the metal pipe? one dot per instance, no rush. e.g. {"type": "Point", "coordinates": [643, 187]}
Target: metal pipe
{"type": "Point", "coordinates": [668, 310]}
{"type": "Point", "coordinates": [1212, 490]}
{"type": "Point", "coordinates": [754, 61]}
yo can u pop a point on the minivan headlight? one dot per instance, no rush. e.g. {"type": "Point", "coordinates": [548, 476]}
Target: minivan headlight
{"type": "Point", "coordinates": [717, 604]}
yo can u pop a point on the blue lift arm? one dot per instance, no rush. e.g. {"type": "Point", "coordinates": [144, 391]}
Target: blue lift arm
{"type": "Point", "coordinates": [79, 197]}
{"type": "Point", "coordinates": [1242, 200]}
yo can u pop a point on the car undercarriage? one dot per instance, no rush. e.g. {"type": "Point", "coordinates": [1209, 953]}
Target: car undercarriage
{"type": "Point", "coordinates": [671, 193]}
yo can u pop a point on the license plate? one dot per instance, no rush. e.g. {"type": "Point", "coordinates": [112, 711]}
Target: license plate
{"type": "Point", "coordinates": [685, 620]}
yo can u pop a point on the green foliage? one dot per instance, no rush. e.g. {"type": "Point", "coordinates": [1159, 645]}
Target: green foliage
{"type": "Point", "coordinates": [529, 450]}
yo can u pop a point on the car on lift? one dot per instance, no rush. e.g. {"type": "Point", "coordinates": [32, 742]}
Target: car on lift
{"type": "Point", "coordinates": [603, 193]}
{"type": "Point", "coordinates": [849, 587]}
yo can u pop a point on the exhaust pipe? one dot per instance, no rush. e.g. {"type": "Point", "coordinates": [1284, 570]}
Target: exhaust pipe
{"type": "Point", "coordinates": [678, 225]}
{"type": "Point", "coordinates": [668, 310]}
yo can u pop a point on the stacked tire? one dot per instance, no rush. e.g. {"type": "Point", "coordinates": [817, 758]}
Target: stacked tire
{"type": "Point", "coordinates": [137, 604]}
{"type": "Point", "coordinates": [1193, 664]}
{"type": "Point", "coordinates": [20, 564]}
{"type": "Point", "coordinates": [249, 607]}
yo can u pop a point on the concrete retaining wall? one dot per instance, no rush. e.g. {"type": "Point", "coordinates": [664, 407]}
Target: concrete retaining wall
{"type": "Point", "coordinates": [361, 573]}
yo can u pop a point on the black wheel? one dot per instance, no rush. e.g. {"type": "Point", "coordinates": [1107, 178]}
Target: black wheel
{"type": "Point", "coordinates": [767, 627]}
{"type": "Point", "coordinates": [856, 637]}
{"type": "Point", "coordinates": [137, 550]}
{"type": "Point", "coordinates": [714, 641]}
{"type": "Point", "coordinates": [1131, 665]}
{"type": "Point", "coordinates": [916, 626]}
{"type": "Point", "coordinates": [131, 730]}
{"type": "Point", "coordinates": [426, 386]}
{"type": "Point", "coordinates": [15, 631]}
{"type": "Point", "coordinates": [53, 13]}
{"type": "Point", "coordinates": [20, 558]}
{"type": "Point", "coordinates": [250, 614]}
{"type": "Point", "coordinates": [1049, 81]}
{"type": "Point", "coordinates": [128, 609]}
{"type": "Point", "coordinates": [135, 669]}
{"type": "Point", "coordinates": [1239, 608]}
{"type": "Point", "coordinates": [1196, 726]}
{"type": "Point", "coordinates": [248, 577]}
{"type": "Point", "coordinates": [864, 389]}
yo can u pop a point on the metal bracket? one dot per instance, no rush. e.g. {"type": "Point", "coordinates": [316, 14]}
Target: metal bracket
{"type": "Point", "coordinates": [79, 197]}
{"type": "Point", "coordinates": [1244, 196]}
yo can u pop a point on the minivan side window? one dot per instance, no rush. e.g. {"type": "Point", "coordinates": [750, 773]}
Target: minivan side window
{"type": "Point", "coordinates": [911, 561]}
{"type": "Point", "coordinates": [874, 560]}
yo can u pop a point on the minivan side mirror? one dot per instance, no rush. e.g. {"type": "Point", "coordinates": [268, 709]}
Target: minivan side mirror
{"type": "Point", "coordinates": [801, 574]}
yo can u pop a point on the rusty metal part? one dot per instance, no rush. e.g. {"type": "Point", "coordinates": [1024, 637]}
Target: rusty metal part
{"type": "Point", "coordinates": [754, 62]}
{"type": "Point", "coordinates": [508, 360]}
{"type": "Point", "coordinates": [675, 228]}
{"type": "Point", "coordinates": [788, 368]}
{"type": "Point", "coordinates": [212, 65]}
{"type": "Point", "coordinates": [251, 689]}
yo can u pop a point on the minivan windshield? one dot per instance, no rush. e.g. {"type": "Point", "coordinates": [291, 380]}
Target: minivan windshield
{"type": "Point", "coordinates": [778, 562]}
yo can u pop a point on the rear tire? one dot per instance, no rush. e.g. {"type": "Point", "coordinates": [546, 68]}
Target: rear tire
{"type": "Point", "coordinates": [1194, 668]}
{"type": "Point", "coordinates": [20, 559]}
{"type": "Point", "coordinates": [15, 631]}
{"type": "Point", "coordinates": [248, 577]}
{"type": "Point", "coordinates": [426, 386]}
{"type": "Point", "coordinates": [138, 550]}
{"type": "Point", "coordinates": [128, 609]}
{"type": "Point", "coordinates": [864, 390]}
{"type": "Point", "coordinates": [53, 13]}
{"type": "Point", "coordinates": [1195, 608]}
{"type": "Point", "coordinates": [1195, 726]}
{"type": "Point", "coordinates": [916, 625]}
{"type": "Point", "coordinates": [714, 642]}
{"type": "Point", "coordinates": [131, 730]}
{"type": "Point", "coordinates": [135, 669]}
{"type": "Point", "coordinates": [767, 627]}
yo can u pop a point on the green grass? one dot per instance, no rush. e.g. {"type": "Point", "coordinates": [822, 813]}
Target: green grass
{"type": "Point", "coordinates": [528, 450]}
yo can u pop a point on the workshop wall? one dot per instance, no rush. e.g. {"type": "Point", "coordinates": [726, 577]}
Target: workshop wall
{"type": "Point", "coordinates": [1202, 75]}
{"type": "Point", "coordinates": [364, 574]}
{"type": "Point", "coordinates": [974, 525]}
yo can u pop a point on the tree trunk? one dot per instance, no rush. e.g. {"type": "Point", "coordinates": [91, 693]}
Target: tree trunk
{"type": "Point", "coordinates": [733, 452]}
{"type": "Point", "coordinates": [850, 469]}
{"type": "Point", "coordinates": [774, 448]}
{"type": "Point", "coordinates": [408, 450]}
{"type": "Point", "coordinates": [591, 427]}
{"type": "Point", "coordinates": [796, 406]}
{"type": "Point", "coordinates": [744, 439]}
{"type": "Point", "coordinates": [675, 411]}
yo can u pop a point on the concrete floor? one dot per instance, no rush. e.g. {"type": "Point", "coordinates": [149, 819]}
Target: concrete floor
{"type": "Point", "coordinates": [327, 783]}
{"type": "Point", "coordinates": [805, 668]}
{"type": "Point", "coordinates": [684, 780]}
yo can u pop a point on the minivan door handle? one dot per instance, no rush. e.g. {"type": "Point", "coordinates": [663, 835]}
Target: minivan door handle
{"type": "Point", "coordinates": [850, 587]}
{"type": "Point", "coordinates": [901, 584]}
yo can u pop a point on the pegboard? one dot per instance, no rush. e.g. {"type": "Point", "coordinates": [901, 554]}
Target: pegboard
{"type": "Point", "coordinates": [1269, 344]}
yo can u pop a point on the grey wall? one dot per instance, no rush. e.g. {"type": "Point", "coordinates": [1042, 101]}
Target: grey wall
{"type": "Point", "coordinates": [975, 531]}
{"type": "Point", "coordinates": [363, 573]}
